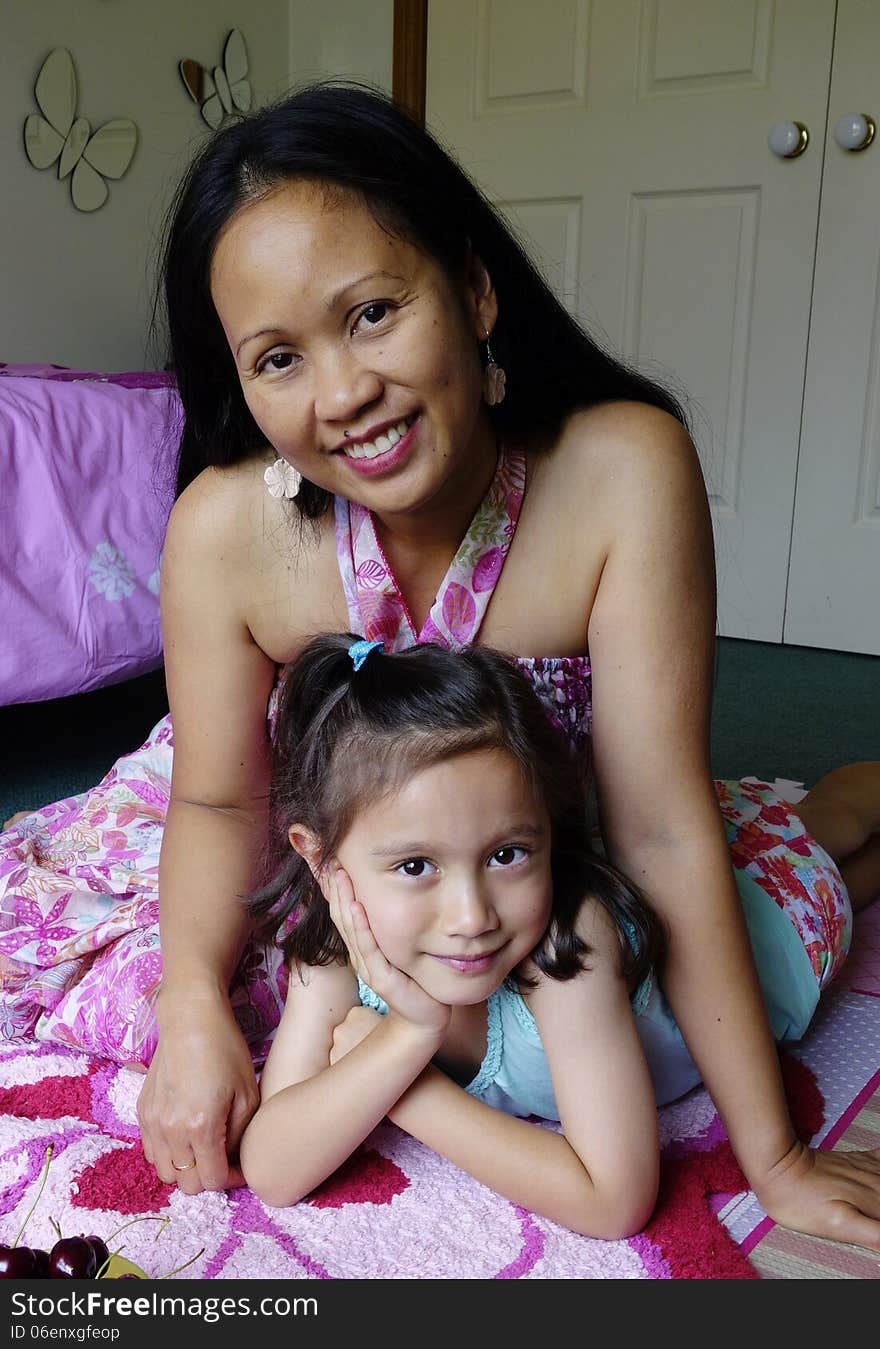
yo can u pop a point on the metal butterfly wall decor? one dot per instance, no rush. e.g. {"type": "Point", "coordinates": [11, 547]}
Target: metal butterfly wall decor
{"type": "Point", "coordinates": [226, 88]}
{"type": "Point", "coordinates": [58, 134]}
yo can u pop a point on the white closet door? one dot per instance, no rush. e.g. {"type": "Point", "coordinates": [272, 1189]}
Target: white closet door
{"type": "Point", "coordinates": [629, 140]}
{"type": "Point", "coordinates": [834, 585]}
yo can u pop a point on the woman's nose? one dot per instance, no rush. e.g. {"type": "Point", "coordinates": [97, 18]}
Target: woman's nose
{"type": "Point", "coordinates": [343, 386]}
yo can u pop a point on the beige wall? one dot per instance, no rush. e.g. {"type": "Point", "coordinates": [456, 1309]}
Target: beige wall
{"type": "Point", "coordinates": [77, 288]}
{"type": "Point", "coordinates": [352, 38]}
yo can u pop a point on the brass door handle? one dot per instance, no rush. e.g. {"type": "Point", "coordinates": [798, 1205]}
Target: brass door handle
{"type": "Point", "coordinates": [855, 131]}
{"type": "Point", "coordinates": [788, 140]}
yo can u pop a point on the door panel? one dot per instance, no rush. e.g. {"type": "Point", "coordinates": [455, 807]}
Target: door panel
{"type": "Point", "coordinates": [628, 140]}
{"type": "Point", "coordinates": [834, 585]}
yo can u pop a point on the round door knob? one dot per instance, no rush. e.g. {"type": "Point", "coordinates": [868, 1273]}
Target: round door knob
{"type": "Point", "coordinates": [788, 139]}
{"type": "Point", "coordinates": [855, 131]}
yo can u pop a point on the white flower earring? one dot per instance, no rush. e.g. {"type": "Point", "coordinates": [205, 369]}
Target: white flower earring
{"type": "Point", "coordinates": [282, 480]}
{"type": "Point", "coordinates": [494, 378]}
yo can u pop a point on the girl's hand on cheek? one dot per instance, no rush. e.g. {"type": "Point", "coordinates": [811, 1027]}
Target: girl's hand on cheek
{"type": "Point", "coordinates": [405, 998]}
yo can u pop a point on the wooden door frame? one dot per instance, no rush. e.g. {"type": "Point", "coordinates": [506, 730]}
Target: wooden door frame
{"type": "Point", "coordinates": [410, 56]}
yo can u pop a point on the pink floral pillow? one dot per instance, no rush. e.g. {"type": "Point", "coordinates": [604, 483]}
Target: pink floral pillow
{"type": "Point", "coordinates": [87, 474]}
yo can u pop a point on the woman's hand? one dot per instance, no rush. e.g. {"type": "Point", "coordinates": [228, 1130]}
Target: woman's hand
{"type": "Point", "coordinates": [835, 1195]}
{"type": "Point", "coordinates": [356, 1027]}
{"type": "Point", "coordinates": [404, 996]}
{"type": "Point", "coordinates": [199, 1094]}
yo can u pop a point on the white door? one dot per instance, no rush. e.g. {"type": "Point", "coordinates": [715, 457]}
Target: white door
{"type": "Point", "coordinates": [834, 585]}
{"type": "Point", "coordinates": [629, 139]}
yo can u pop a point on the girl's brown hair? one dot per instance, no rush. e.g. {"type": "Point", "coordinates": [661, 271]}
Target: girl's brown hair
{"type": "Point", "coordinates": [344, 737]}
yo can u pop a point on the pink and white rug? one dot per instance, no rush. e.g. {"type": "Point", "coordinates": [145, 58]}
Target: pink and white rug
{"type": "Point", "coordinates": [397, 1210]}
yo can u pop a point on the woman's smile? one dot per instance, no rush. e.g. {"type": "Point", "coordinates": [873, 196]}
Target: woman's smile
{"type": "Point", "coordinates": [357, 355]}
{"type": "Point", "coordinates": [382, 451]}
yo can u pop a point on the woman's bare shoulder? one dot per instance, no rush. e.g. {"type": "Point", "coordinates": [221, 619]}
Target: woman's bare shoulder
{"type": "Point", "coordinates": [618, 454]}
{"type": "Point", "coordinates": [219, 504]}
{"type": "Point", "coordinates": [226, 519]}
{"type": "Point", "coordinates": [621, 436]}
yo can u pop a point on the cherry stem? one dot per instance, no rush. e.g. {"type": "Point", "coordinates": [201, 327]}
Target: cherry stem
{"type": "Point", "coordinates": [18, 1237]}
{"type": "Point", "coordinates": [55, 1225]}
{"type": "Point", "coordinates": [99, 1272]}
{"type": "Point", "coordinates": [184, 1265]}
{"type": "Point", "coordinates": [147, 1218]}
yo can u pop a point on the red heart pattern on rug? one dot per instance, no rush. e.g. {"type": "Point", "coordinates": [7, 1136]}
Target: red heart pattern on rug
{"type": "Point", "coordinates": [122, 1180]}
{"type": "Point", "coordinates": [366, 1178]}
{"type": "Point", "coordinates": [51, 1097]}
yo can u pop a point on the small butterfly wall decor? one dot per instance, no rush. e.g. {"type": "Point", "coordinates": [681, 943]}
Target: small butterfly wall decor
{"type": "Point", "coordinates": [224, 89]}
{"type": "Point", "coordinates": [58, 134]}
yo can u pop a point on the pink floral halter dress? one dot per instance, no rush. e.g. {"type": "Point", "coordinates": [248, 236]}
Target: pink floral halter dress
{"type": "Point", "coordinates": [80, 962]}
{"type": "Point", "coordinates": [378, 612]}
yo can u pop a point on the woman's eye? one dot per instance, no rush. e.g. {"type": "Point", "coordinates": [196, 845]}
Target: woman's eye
{"type": "Point", "coordinates": [279, 360]}
{"type": "Point", "coordinates": [415, 866]}
{"type": "Point", "coordinates": [506, 857]}
{"type": "Point", "coordinates": [374, 313]}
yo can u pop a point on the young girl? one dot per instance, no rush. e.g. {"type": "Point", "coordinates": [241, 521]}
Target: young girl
{"type": "Point", "coordinates": [459, 955]}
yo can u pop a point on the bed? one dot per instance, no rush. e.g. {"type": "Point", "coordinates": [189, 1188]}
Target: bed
{"type": "Point", "coordinates": [87, 486]}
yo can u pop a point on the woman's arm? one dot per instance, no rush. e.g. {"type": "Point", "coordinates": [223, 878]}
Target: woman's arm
{"type": "Point", "coordinates": [314, 1113]}
{"type": "Point", "coordinates": [201, 1087]}
{"type": "Point", "coordinates": [599, 1176]}
{"type": "Point", "coordinates": [651, 641]}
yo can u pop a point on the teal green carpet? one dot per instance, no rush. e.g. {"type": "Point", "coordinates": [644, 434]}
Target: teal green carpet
{"type": "Point", "coordinates": [793, 712]}
{"type": "Point", "coordinates": [54, 749]}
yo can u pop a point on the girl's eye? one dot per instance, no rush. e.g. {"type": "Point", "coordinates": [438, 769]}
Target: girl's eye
{"type": "Point", "coordinates": [374, 313]}
{"type": "Point", "coordinates": [507, 857]}
{"type": "Point", "coordinates": [414, 866]}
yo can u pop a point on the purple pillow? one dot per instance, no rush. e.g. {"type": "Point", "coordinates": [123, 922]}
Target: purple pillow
{"type": "Point", "coordinates": [86, 485]}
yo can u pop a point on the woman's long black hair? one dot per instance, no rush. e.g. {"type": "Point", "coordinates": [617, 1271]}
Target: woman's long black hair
{"type": "Point", "coordinates": [356, 138]}
{"type": "Point", "coordinates": [344, 738]}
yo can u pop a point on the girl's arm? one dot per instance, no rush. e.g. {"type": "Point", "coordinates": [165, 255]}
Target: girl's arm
{"type": "Point", "coordinates": [652, 643]}
{"type": "Point", "coordinates": [313, 1115]}
{"type": "Point", "coordinates": [599, 1176]}
{"type": "Point", "coordinates": [201, 1087]}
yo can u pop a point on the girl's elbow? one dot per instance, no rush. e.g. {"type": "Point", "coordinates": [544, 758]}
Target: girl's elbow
{"type": "Point", "coordinates": [272, 1189]}
{"type": "Point", "coordinates": [633, 1213]}
{"type": "Point", "coordinates": [621, 1215]}
{"type": "Point", "coordinates": [273, 1193]}
{"type": "Point", "coordinates": [261, 1175]}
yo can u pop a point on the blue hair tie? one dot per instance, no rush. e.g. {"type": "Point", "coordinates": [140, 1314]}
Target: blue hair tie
{"type": "Point", "coordinates": [360, 650]}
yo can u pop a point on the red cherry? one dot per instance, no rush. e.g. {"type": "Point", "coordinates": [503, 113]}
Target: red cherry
{"type": "Point", "coordinates": [16, 1262]}
{"type": "Point", "coordinates": [102, 1254]}
{"type": "Point", "coordinates": [41, 1264]}
{"type": "Point", "coordinates": [72, 1258]}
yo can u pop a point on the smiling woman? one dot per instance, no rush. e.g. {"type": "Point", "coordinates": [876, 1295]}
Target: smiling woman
{"type": "Point", "coordinates": [362, 386]}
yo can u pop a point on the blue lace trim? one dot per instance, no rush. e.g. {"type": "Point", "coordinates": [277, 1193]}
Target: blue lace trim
{"type": "Point", "coordinates": [370, 999]}
{"type": "Point", "coordinates": [488, 1070]}
{"type": "Point", "coordinates": [522, 1012]}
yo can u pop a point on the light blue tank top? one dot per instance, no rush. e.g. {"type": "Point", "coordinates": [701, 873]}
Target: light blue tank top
{"type": "Point", "coordinates": [515, 1076]}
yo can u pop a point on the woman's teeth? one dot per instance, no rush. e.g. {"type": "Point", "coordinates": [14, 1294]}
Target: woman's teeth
{"type": "Point", "coordinates": [370, 449]}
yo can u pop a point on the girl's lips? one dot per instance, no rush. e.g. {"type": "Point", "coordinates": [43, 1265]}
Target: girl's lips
{"type": "Point", "coordinates": [391, 459]}
{"type": "Point", "coordinates": [476, 965]}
